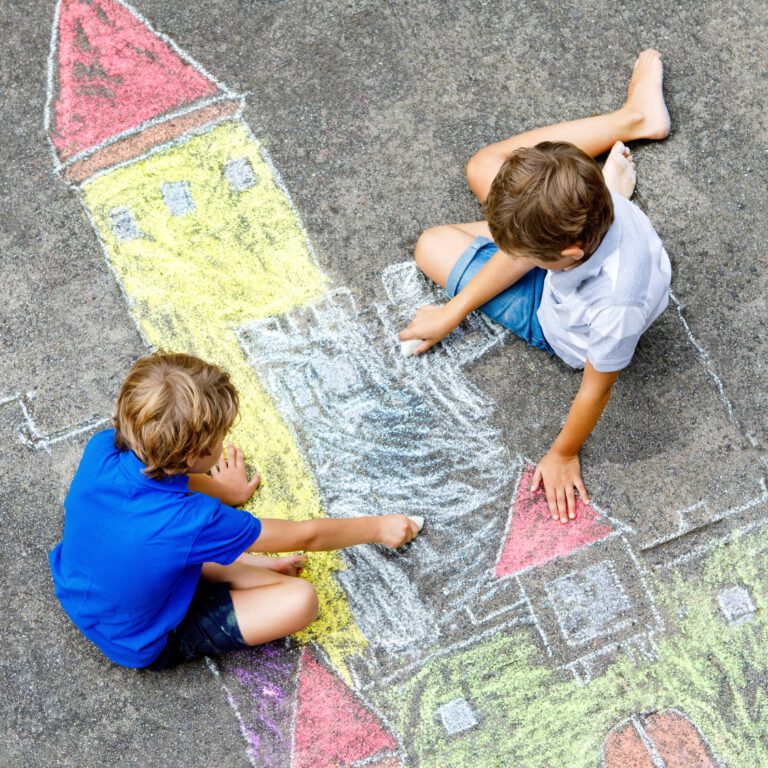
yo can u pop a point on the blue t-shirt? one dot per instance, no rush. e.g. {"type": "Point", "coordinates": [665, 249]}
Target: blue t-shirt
{"type": "Point", "coordinates": [133, 548]}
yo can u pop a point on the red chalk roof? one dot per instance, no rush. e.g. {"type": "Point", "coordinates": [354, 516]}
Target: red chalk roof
{"type": "Point", "coordinates": [534, 538]}
{"type": "Point", "coordinates": [333, 727]}
{"type": "Point", "coordinates": [111, 73]}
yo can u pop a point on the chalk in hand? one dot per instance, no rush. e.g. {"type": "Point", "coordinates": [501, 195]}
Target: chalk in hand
{"type": "Point", "coordinates": [418, 519]}
{"type": "Point", "coordinates": [410, 346]}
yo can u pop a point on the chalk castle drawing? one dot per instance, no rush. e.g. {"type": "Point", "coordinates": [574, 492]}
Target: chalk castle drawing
{"type": "Point", "coordinates": [412, 435]}
{"type": "Point", "coordinates": [212, 258]}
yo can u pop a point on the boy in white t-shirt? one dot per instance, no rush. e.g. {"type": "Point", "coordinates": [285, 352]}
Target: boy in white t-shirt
{"type": "Point", "coordinates": [564, 260]}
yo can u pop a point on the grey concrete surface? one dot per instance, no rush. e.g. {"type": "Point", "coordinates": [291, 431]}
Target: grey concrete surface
{"type": "Point", "coordinates": [369, 111]}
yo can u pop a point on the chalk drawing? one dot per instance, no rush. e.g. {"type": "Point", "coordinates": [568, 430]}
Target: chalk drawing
{"type": "Point", "coordinates": [333, 725]}
{"type": "Point", "coordinates": [210, 253]}
{"type": "Point", "coordinates": [31, 435]}
{"type": "Point", "coordinates": [190, 278]}
{"type": "Point", "coordinates": [658, 740]}
{"type": "Point", "coordinates": [736, 604]}
{"type": "Point", "coordinates": [457, 716]}
{"type": "Point", "coordinates": [534, 538]}
{"type": "Point", "coordinates": [268, 679]}
{"type": "Point", "coordinates": [589, 603]}
{"type": "Point", "coordinates": [393, 435]}
{"type": "Point", "coordinates": [244, 729]}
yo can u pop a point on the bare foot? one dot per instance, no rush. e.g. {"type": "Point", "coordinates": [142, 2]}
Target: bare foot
{"type": "Point", "coordinates": [290, 565]}
{"type": "Point", "coordinates": [645, 98]}
{"type": "Point", "coordinates": [619, 171]}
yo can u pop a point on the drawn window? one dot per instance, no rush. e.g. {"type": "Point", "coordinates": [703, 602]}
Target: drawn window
{"type": "Point", "coordinates": [123, 224]}
{"type": "Point", "coordinates": [239, 174]}
{"type": "Point", "coordinates": [589, 603]}
{"type": "Point", "coordinates": [177, 197]}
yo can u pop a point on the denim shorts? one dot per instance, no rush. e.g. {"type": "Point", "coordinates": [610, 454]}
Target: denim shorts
{"type": "Point", "coordinates": [209, 628]}
{"type": "Point", "coordinates": [515, 308]}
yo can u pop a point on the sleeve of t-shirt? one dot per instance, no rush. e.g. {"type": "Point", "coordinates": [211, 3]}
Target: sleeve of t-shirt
{"type": "Point", "coordinates": [226, 534]}
{"type": "Point", "coordinates": [613, 336]}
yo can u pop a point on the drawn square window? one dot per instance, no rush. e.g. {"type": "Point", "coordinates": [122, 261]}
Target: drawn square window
{"type": "Point", "coordinates": [590, 603]}
{"type": "Point", "coordinates": [177, 197]}
{"type": "Point", "coordinates": [736, 605]}
{"type": "Point", "coordinates": [457, 716]}
{"type": "Point", "coordinates": [239, 174]}
{"type": "Point", "coordinates": [123, 224]}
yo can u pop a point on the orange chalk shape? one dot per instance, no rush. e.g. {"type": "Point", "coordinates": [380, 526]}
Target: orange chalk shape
{"type": "Point", "coordinates": [669, 738]}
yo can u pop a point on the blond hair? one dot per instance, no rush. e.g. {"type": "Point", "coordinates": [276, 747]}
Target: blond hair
{"type": "Point", "coordinates": [547, 198]}
{"type": "Point", "coordinates": [172, 407]}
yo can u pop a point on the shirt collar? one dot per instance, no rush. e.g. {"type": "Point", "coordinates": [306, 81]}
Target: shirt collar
{"type": "Point", "coordinates": [571, 279]}
{"type": "Point", "coordinates": [134, 467]}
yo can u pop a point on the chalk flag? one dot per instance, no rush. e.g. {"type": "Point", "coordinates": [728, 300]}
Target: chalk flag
{"type": "Point", "coordinates": [333, 726]}
{"type": "Point", "coordinates": [534, 538]}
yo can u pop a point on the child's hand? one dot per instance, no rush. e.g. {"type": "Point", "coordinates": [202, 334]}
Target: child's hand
{"type": "Point", "coordinates": [232, 474]}
{"type": "Point", "coordinates": [560, 475]}
{"type": "Point", "coordinates": [431, 323]}
{"type": "Point", "coordinates": [395, 530]}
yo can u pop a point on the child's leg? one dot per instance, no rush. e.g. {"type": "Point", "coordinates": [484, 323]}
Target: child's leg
{"type": "Point", "coordinates": [268, 605]}
{"type": "Point", "coordinates": [439, 248]}
{"type": "Point", "coordinates": [643, 116]}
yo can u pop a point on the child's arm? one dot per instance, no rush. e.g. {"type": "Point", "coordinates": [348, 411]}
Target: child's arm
{"type": "Point", "coordinates": [559, 469]}
{"type": "Point", "coordinates": [228, 481]}
{"type": "Point", "coordinates": [326, 534]}
{"type": "Point", "coordinates": [433, 323]}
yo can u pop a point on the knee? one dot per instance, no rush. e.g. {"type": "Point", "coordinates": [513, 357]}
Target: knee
{"type": "Point", "coordinates": [305, 603]}
{"type": "Point", "coordinates": [477, 174]}
{"type": "Point", "coordinates": [472, 170]}
{"type": "Point", "coordinates": [425, 248]}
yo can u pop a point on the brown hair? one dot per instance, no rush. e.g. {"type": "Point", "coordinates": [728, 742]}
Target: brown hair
{"type": "Point", "coordinates": [547, 198]}
{"type": "Point", "coordinates": [172, 406]}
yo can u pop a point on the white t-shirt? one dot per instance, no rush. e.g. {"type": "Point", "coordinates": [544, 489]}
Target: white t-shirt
{"type": "Point", "coordinates": [599, 309]}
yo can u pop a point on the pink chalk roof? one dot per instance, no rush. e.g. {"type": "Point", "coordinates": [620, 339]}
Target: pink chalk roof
{"type": "Point", "coordinates": [111, 73]}
{"type": "Point", "coordinates": [534, 538]}
{"type": "Point", "coordinates": [333, 726]}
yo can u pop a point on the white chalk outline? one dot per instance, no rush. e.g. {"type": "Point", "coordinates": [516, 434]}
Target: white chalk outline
{"type": "Point", "coordinates": [709, 367]}
{"type": "Point", "coordinates": [38, 440]}
{"type": "Point", "coordinates": [616, 626]}
{"type": "Point", "coordinates": [717, 518]}
{"type": "Point", "coordinates": [214, 670]}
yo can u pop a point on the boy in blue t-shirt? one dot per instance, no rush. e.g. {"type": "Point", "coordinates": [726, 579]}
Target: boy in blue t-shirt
{"type": "Point", "coordinates": [153, 566]}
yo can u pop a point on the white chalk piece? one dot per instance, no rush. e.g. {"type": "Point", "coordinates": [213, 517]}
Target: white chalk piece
{"type": "Point", "coordinates": [410, 346]}
{"type": "Point", "coordinates": [418, 519]}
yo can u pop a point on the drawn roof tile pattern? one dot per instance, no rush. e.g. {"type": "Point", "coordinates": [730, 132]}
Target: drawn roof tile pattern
{"type": "Point", "coordinates": [113, 74]}
{"type": "Point", "coordinates": [333, 727]}
{"type": "Point", "coordinates": [534, 538]}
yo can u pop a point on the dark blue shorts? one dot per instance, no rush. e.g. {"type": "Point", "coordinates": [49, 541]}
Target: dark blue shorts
{"type": "Point", "coordinates": [209, 628]}
{"type": "Point", "coordinates": [515, 308]}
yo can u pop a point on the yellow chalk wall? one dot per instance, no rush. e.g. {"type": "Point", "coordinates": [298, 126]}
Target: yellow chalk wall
{"type": "Point", "coordinates": [192, 279]}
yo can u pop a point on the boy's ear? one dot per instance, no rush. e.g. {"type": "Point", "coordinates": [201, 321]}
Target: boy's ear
{"type": "Point", "coordinates": [574, 252]}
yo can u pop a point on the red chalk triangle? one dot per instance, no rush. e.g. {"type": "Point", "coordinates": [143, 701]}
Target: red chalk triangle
{"type": "Point", "coordinates": [333, 727]}
{"type": "Point", "coordinates": [534, 538]}
{"type": "Point", "coordinates": [113, 72]}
